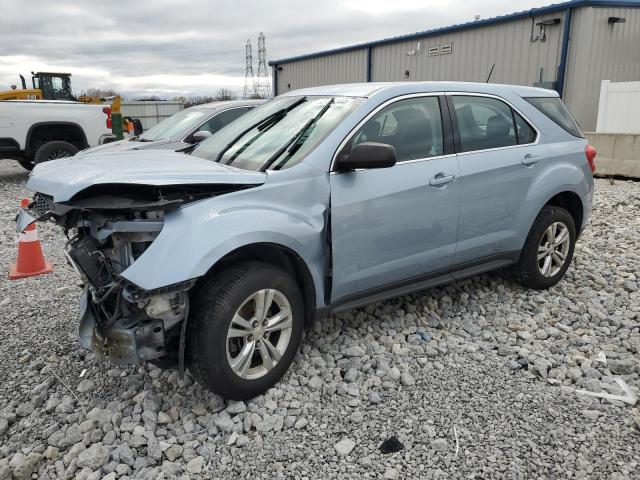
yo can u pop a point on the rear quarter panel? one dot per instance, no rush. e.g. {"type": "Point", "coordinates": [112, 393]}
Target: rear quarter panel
{"type": "Point", "coordinates": [566, 171]}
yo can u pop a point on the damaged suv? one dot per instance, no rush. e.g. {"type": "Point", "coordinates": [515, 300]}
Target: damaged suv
{"type": "Point", "coordinates": [318, 201]}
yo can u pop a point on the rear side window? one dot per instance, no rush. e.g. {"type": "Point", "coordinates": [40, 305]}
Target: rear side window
{"type": "Point", "coordinates": [486, 122]}
{"type": "Point", "coordinates": [556, 110]}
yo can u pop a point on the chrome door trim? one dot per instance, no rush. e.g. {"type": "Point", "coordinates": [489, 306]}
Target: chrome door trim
{"type": "Point", "coordinates": [376, 110]}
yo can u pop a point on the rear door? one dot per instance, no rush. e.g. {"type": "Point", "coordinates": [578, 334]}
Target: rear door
{"type": "Point", "coordinates": [396, 224]}
{"type": "Point", "coordinates": [500, 155]}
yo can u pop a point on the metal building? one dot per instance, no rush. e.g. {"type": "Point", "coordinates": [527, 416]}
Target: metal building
{"type": "Point", "coordinates": [569, 47]}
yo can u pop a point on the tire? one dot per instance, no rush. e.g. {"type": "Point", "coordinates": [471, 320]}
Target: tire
{"type": "Point", "coordinates": [210, 354]}
{"type": "Point", "coordinates": [26, 163]}
{"type": "Point", "coordinates": [529, 269]}
{"type": "Point", "coordinates": [53, 151]}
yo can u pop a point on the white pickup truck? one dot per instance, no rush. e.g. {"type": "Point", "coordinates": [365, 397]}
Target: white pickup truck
{"type": "Point", "coordinates": [34, 131]}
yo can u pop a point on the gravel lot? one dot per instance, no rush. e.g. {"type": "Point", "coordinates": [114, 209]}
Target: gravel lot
{"type": "Point", "coordinates": [476, 380]}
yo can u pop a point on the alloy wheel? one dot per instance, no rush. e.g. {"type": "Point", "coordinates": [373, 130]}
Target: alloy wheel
{"type": "Point", "coordinates": [553, 249]}
{"type": "Point", "coordinates": [259, 334]}
{"type": "Point", "coordinates": [56, 154]}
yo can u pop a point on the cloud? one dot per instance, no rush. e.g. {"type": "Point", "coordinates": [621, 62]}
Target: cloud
{"type": "Point", "coordinates": [195, 47]}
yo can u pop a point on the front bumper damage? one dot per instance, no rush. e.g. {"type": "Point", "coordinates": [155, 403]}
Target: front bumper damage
{"type": "Point", "coordinates": [126, 341]}
{"type": "Point", "coordinates": [118, 320]}
{"type": "Point", "coordinates": [124, 323]}
{"type": "Point", "coordinates": [112, 209]}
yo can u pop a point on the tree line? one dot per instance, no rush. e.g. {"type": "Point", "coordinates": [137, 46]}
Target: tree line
{"type": "Point", "coordinates": [222, 94]}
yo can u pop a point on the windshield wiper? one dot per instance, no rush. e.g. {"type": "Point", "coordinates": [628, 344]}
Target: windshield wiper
{"type": "Point", "coordinates": [292, 145]}
{"type": "Point", "coordinates": [262, 125]}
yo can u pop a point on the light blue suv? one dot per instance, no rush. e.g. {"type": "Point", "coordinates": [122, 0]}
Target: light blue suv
{"type": "Point", "coordinates": [318, 201]}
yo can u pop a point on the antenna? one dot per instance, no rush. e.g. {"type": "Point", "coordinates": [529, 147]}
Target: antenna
{"type": "Point", "coordinates": [249, 87]}
{"type": "Point", "coordinates": [263, 83]}
{"type": "Point", "coordinates": [490, 72]}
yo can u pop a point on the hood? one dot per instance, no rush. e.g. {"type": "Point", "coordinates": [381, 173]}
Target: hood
{"type": "Point", "coordinates": [64, 178]}
{"type": "Point", "coordinates": [121, 146]}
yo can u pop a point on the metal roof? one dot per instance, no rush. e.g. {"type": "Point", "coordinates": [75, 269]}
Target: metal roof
{"type": "Point", "coordinates": [557, 7]}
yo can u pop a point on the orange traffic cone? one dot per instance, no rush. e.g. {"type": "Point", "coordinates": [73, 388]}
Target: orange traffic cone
{"type": "Point", "coordinates": [30, 260]}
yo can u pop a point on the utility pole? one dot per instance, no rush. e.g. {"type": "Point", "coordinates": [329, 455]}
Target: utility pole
{"type": "Point", "coordinates": [263, 81]}
{"type": "Point", "coordinates": [249, 86]}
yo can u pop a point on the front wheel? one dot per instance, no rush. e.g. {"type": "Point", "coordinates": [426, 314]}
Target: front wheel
{"type": "Point", "coordinates": [244, 329]}
{"type": "Point", "coordinates": [548, 250]}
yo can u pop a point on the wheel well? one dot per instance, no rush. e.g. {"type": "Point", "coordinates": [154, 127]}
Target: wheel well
{"type": "Point", "coordinates": [47, 132]}
{"type": "Point", "coordinates": [571, 202]}
{"type": "Point", "coordinates": [279, 256]}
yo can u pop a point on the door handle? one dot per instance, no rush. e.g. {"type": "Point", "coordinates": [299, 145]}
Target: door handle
{"type": "Point", "coordinates": [441, 179]}
{"type": "Point", "coordinates": [529, 160]}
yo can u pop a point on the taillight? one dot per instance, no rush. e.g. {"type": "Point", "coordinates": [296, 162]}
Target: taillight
{"type": "Point", "coordinates": [107, 112]}
{"type": "Point", "coordinates": [590, 152]}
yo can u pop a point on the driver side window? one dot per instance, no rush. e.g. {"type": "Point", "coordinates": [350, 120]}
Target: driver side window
{"type": "Point", "coordinates": [412, 126]}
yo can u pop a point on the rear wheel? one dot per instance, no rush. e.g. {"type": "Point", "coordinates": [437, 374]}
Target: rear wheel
{"type": "Point", "coordinates": [548, 250]}
{"type": "Point", "coordinates": [54, 151]}
{"type": "Point", "coordinates": [244, 329]}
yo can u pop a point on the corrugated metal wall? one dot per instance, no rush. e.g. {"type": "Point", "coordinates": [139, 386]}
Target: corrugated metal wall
{"type": "Point", "coordinates": [597, 51]}
{"type": "Point", "coordinates": [600, 51]}
{"type": "Point", "coordinates": [508, 45]}
{"type": "Point", "coordinates": [150, 113]}
{"type": "Point", "coordinates": [347, 67]}
{"type": "Point", "coordinates": [517, 59]}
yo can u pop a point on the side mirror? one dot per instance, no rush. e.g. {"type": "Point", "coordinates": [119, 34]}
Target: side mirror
{"type": "Point", "coordinates": [200, 135]}
{"type": "Point", "coordinates": [367, 155]}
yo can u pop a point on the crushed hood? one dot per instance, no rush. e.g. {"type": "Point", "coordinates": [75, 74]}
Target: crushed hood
{"type": "Point", "coordinates": [64, 178]}
{"type": "Point", "coordinates": [122, 146]}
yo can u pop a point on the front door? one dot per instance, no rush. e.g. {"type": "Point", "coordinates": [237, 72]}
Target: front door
{"type": "Point", "coordinates": [395, 224]}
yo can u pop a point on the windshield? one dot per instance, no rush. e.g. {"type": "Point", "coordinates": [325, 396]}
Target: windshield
{"type": "Point", "coordinates": [176, 126]}
{"type": "Point", "coordinates": [278, 134]}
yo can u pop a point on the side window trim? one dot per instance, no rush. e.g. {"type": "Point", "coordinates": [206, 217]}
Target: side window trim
{"type": "Point", "coordinates": [456, 127]}
{"type": "Point", "coordinates": [454, 124]}
{"type": "Point", "coordinates": [447, 131]}
{"type": "Point", "coordinates": [515, 125]}
{"type": "Point", "coordinates": [447, 127]}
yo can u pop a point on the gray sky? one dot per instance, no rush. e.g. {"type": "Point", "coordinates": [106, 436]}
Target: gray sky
{"type": "Point", "coordinates": [195, 47]}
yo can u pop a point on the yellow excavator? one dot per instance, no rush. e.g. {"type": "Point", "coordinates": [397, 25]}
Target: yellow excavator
{"type": "Point", "coordinates": [47, 86]}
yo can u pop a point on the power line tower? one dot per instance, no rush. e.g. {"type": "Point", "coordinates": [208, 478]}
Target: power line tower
{"type": "Point", "coordinates": [263, 82]}
{"type": "Point", "coordinates": [249, 82]}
